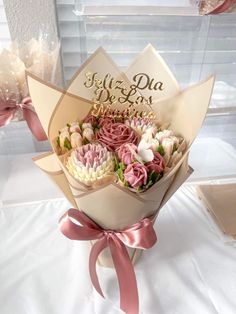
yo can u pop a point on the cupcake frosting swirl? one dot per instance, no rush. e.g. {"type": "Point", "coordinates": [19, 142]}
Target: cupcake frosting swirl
{"type": "Point", "coordinates": [113, 135]}
{"type": "Point", "coordinates": [90, 163]}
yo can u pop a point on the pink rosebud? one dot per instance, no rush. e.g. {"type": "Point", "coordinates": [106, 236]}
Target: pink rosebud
{"type": "Point", "coordinates": [157, 164]}
{"type": "Point", "coordinates": [105, 121]}
{"type": "Point", "coordinates": [136, 175]}
{"type": "Point", "coordinates": [90, 119]}
{"type": "Point", "coordinates": [74, 127]}
{"type": "Point", "coordinates": [113, 135]}
{"type": "Point", "coordinates": [126, 153]}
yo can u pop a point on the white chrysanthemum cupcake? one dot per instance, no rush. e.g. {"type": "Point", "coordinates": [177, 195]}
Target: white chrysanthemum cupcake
{"type": "Point", "coordinates": [90, 163]}
{"type": "Point", "coordinates": [141, 125]}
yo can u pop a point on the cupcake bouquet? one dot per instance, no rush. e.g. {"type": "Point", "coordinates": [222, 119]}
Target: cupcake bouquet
{"type": "Point", "coordinates": [135, 153]}
{"type": "Point", "coordinates": [120, 144]}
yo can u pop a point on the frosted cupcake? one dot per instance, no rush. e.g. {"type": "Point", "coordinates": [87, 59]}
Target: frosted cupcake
{"type": "Point", "coordinates": [90, 163]}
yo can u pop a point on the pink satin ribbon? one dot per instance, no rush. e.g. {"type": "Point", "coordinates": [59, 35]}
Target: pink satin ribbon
{"type": "Point", "coordinates": [140, 235]}
{"type": "Point", "coordinates": [223, 7]}
{"type": "Point", "coordinates": [8, 110]}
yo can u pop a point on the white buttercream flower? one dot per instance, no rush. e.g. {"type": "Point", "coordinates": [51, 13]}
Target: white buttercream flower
{"type": "Point", "coordinates": [141, 125]}
{"type": "Point", "coordinates": [148, 138]}
{"type": "Point", "coordinates": [74, 127]}
{"type": "Point", "coordinates": [163, 134]}
{"type": "Point", "coordinates": [145, 151]}
{"type": "Point", "coordinates": [69, 137]}
{"type": "Point", "coordinates": [64, 135]}
{"type": "Point", "coordinates": [76, 140]}
{"type": "Point", "coordinates": [88, 134]}
{"type": "Point", "coordinates": [168, 145]}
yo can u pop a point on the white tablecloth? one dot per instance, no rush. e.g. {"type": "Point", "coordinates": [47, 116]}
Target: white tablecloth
{"type": "Point", "coordinates": [191, 270]}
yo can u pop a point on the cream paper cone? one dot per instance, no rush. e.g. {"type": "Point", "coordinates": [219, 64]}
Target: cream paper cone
{"type": "Point", "coordinates": [110, 205]}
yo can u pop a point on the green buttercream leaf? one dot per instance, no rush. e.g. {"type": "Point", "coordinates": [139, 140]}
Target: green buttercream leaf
{"type": "Point", "coordinates": [160, 150]}
{"type": "Point", "coordinates": [67, 144]}
{"type": "Point", "coordinates": [174, 148]}
{"type": "Point", "coordinates": [85, 141]}
{"type": "Point", "coordinates": [122, 165]}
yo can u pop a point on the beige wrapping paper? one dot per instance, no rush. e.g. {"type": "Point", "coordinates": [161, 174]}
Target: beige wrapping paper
{"type": "Point", "coordinates": [220, 200]}
{"type": "Point", "coordinates": [110, 205]}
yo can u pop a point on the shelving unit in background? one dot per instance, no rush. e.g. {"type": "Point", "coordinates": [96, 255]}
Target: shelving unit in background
{"type": "Point", "coordinates": [194, 47]}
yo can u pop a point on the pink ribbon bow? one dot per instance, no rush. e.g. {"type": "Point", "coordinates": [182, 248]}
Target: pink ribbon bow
{"type": "Point", "coordinates": [140, 235]}
{"type": "Point", "coordinates": [222, 7]}
{"type": "Point", "coordinates": [8, 110]}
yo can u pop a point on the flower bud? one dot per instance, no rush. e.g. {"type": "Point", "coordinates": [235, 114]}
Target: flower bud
{"type": "Point", "coordinates": [88, 134]}
{"type": "Point", "coordinates": [87, 125]}
{"type": "Point", "coordinates": [63, 136]}
{"type": "Point", "coordinates": [76, 140]}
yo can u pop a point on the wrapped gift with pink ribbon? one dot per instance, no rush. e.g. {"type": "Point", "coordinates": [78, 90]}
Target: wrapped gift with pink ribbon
{"type": "Point", "coordinates": [15, 103]}
{"type": "Point", "coordinates": [217, 6]}
{"type": "Point", "coordinates": [120, 144]}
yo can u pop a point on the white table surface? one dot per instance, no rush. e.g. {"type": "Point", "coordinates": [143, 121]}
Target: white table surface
{"type": "Point", "coordinates": [191, 270]}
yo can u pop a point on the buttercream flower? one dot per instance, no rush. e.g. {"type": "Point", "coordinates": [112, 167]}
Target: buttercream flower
{"type": "Point", "coordinates": [64, 137]}
{"type": "Point", "coordinates": [88, 134]}
{"type": "Point", "coordinates": [157, 164]}
{"type": "Point", "coordinates": [105, 120]}
{"type": "Point", "coordinates": [145, 151]}
{"type": "Point", "coordinates": [70, 137]}
{"type": "Point", "coordinates": [168, 145]}
{"type": "Point", "coordinates": [148, 138]}
{"type": "Point", "coordinates": [91, 119]}
{"type": "Point", "coordinates": [74, 127]}
{"type": "Point", "coordinates": [163, 134]}
{"type": "Point", "coordinates": [76, 140]}
{"type": "Point", "coordinates": [113, 135]}
{"type": "Point", "coordinates": [87, 125]}
{"type": "Point", "coordinates": [126, 153]}
{"type": "Point", "coordinates": [90, 163]}
{"type": "Point", "coordinates": [136, 175]}
{"type": "Point", "coordinates": [141, 125]}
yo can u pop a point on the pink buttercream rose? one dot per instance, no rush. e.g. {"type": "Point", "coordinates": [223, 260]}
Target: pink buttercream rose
{"type": "Point", "coordinates": [157, 164]}
{"type": "Point", "coordinates": [136, 175]}
{"type": "Point", "coordinates": [113, 135]}
{"type": "Point", "coordinates": [126, 153]}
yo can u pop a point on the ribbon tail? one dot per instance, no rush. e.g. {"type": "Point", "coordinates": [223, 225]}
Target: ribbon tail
{"type": "Point", "coordinates": [35, 125]}
{"type": "Point", "coordinates": [129, 301]}
{"type": "Point", "coordinates": [223, 7]}
{"type": "Point", "coordinates": [97, 248]}
{"type": "Point", "coordinates": [5, 119]}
